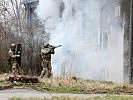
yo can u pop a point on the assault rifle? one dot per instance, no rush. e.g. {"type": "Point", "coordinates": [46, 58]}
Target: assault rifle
{"type": "Point", "coordinates": [53, 47]}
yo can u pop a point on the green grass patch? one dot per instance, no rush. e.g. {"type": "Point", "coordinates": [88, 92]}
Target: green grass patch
{"type": "Point", "coordinates": [112, 98]}
{"type": "Point", "coordinates": [77, 98]}
{"type": "Point", "coordinates": [16, 98]}
{"type": "Point", "coordinates": [60, 89]}
{"type": "Point", "coordinates": [51, 88]}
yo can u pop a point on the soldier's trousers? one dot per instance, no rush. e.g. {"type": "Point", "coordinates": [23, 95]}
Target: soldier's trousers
{"type": "Point", "coordinates": [14, 68]}
{"type": "Point", "coordinates": [46, 68]}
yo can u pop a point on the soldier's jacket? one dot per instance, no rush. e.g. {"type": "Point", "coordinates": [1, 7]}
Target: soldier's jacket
{"type": "Point", "coordinates": [10, 52]}
{"type": "Point", "coordinates": [12, 56]}
{"type": "Point", "coordinates": [46, 53]}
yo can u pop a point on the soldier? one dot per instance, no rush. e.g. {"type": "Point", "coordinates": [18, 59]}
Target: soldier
{"type": "Point", "coordinates": [46, 52]}
{"type": "Point", "coordinates": [13, 59]}
{"type": "Point", "coordinates": [18, 52]}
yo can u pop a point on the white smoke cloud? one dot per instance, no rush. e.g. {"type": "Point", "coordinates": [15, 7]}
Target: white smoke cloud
{"type": "Point", "coordinates": [78, 30]}
{"type": "Point", "coordinates": [49, 10]}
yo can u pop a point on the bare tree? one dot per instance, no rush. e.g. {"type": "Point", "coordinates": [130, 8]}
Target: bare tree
{"type": "Point", "coordinates": [14, 29]}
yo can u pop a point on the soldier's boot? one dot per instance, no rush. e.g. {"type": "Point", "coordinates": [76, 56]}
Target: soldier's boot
{"type": "Point", "coordinates": [43, 72]}
{"type": "Point", "coordinates": [49, 73]}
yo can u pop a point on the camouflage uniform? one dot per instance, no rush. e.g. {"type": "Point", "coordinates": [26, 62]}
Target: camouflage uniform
{"type": "Point", "coordinates": [46, 60]}
{"type": "Point", "coordinates": [13, 59]}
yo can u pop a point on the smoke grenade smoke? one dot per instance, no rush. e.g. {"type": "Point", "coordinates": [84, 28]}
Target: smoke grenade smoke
{"type": "Point", "coordinates": [91, 38]}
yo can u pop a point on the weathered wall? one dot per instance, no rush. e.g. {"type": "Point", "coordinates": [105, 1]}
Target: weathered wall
{"type": "Point", "coordinates": [125, 15]}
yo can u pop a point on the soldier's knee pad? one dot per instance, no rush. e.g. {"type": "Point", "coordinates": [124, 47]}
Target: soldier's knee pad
{"type": "Point", "coordinates": [43, 69]}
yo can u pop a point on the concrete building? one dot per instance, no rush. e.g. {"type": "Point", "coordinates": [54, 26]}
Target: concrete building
{"type": "Point", "coordinates": [30, 15]}
{"type": "Point", "coordinates": [123, 10]}
{"type": "Point", "coordinates": [126, 10]}
{"type": "Point", "coordinates": [30, 6]}
{"type": "Point", "coordinates": [109, 17]}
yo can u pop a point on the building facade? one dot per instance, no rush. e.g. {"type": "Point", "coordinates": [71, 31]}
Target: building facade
{"type": "Point", "coordinates": [30, 7]}
{"type": "Point", "coordinates": [126, 16]}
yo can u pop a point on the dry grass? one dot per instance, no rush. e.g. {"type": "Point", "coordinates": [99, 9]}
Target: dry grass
{"type": "Point", "coordinates": [4, 77]}
{"type": "Point", "coordinates": [4, 84]}
{"type": "Point", "coordinates": [71, 85]}
{"type": "Point", "coordinates": [90, 86]}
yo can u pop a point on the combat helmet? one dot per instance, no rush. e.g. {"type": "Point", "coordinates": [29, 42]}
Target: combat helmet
{"type": "Point", "coordinates": [45, 44]}
{"type": "Point", "coordinates": [13, 46]}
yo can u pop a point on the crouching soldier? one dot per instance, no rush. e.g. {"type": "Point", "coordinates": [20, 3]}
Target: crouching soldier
{"type": "Point", "coordinates": [46, 52]}
{"type": "Point", "coordinates": [13, 56]}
